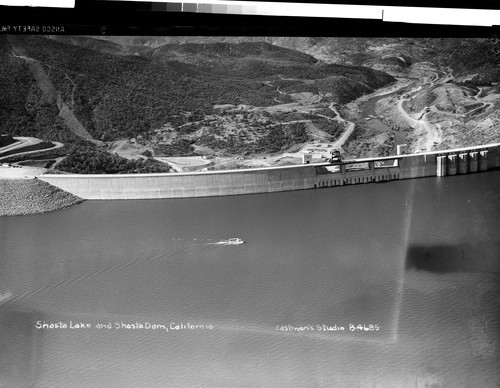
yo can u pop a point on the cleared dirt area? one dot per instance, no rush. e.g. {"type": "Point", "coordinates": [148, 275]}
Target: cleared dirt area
{"type": "Point", "coordinates": [305, 98]}
{"type": "Point", "coordinates": [435, 108]}
{"type": "Point", "coordinates": [20, 172]}
{"type": "Point", "coordinates": [186, 163]}
{"type": "Point", "coordinates": [127, 149]}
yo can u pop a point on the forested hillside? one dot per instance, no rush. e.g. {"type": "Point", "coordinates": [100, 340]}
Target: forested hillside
{"type": "Point", "coordinates": [84, 158]}
{"type": "Point", "coordinates": [224, 96]}
{"type": "Point", "coordinates": [116, 94]}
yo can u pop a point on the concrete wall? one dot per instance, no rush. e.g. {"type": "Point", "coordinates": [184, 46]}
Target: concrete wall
{"type": "Point", "coordinates": [179, 185]}
{"type": "Point", "coordinates": [274, 179]}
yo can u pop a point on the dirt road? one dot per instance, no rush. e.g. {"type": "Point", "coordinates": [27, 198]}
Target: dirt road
{"type": "Point", "coordinates": [428, 134]}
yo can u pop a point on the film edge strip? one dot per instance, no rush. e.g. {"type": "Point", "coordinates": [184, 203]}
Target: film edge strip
{"type": "Point", "coordinates": [413, 15]}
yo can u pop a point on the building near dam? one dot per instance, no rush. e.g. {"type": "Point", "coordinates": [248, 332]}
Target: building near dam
{"type": "Point", "coordinates": [275, 179]}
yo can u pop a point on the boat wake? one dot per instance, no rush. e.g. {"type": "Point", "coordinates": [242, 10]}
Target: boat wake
{"type": "Point", "coordinates": [5, 296]}
{"type": "Point", "coordinates": [231, 241]}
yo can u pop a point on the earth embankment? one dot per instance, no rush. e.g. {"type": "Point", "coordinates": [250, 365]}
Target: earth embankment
{"type": "Point", "coordinates": [32, 196]}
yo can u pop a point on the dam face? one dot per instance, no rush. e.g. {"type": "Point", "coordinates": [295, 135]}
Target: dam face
{"type": "Point", "coordinates": [275, 179]}
{"type": "Point", "coordinates": [179, 185]}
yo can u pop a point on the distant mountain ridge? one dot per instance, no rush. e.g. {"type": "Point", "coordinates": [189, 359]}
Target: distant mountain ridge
{"type": "Point", "coordinates": [464, 55]}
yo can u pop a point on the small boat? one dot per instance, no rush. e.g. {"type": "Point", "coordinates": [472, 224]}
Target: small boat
{"type": "Point", "coordinates": [232, 241]}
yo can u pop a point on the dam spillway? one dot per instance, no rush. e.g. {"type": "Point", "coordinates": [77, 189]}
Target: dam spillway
{"type": "Point", "coordinates": [276, 179]}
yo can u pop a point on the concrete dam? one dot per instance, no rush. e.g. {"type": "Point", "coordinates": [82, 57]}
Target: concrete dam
{"type": "Point", "coordinates": [275, 179]}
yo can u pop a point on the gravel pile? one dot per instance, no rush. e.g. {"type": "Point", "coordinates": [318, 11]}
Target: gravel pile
{"type": "Point", "coordinates": [32, 196]}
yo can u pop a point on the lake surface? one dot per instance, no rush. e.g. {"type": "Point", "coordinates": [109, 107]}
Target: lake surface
{"type": "Point", "coordinates": [137, 293]}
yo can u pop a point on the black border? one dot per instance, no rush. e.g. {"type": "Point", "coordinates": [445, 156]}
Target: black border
{"type": "Point", "coordinates": [138, 18]}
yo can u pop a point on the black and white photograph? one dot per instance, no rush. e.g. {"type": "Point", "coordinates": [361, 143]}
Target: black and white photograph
{"type": "Point", "coordinates": [211, 208]}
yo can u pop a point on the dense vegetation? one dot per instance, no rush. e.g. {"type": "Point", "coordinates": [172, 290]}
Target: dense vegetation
{"type": "Point", "coordinates": [232, 56]}
{"type": "Point", "coordinates": [85, 158]}
{"type": "Point", "coordinates": [5, 140]}
{"type": "Point", "coordinates": [282, 137]}
{"type": "Point", "coordinates": [275, 138]}
{"type": "Point", "coordinates": [466, 56]}
{"type": "Point", "coordinates": [22, 110]}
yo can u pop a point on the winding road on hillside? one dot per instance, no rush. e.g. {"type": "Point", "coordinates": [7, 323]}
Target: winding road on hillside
{"type": "Point", "coordinates": [348, 125]}
{"type": "Point", "coordinates": [317, 134]}
{"type": "Point", "coordinates": [485, 105]}
{"type": "Point", "coordinates": [23, 143]}
{"type": "Point", "coordinates": [429, 135]}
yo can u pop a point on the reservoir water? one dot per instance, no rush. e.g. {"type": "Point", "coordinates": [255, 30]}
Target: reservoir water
{"type": "Point", "coordinates": [137, 293]}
